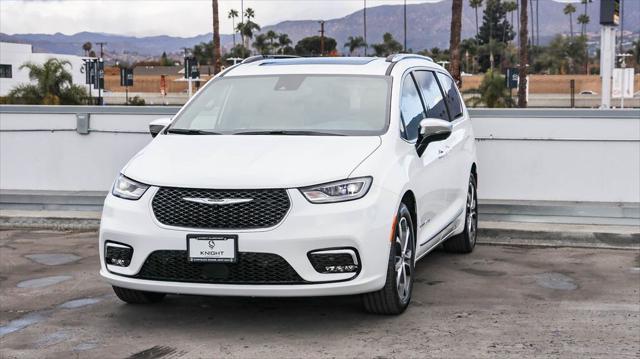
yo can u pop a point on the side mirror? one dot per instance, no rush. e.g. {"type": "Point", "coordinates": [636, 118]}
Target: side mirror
{"type": "Point", "coordinates": [432, 130]}
{"type": "Point", "coordinates": [158, 125]}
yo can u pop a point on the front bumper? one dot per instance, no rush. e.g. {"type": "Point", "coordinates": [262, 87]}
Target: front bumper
{"type": "Point", "coordinates": [363, 224]}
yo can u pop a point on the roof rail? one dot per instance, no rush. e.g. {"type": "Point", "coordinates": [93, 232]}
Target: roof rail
{"type": "Point", "coordinates": [265, 57]}
{"type": "Point", "coordinates": [399, 57]}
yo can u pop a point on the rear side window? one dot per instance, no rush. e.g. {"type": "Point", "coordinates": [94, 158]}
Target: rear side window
{"type": "Point", "coordinates": [411, 110]}
{"type": "Point", "coordinates": [432, 95]}
{"type": "Point", "coordinates": [451, 96]}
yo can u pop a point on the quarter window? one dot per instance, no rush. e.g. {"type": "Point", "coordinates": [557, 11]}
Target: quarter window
{"type": "Point", "coordinates": [451, 96]}
{"type": "Point", "coordinates": [411, 110]}
{"type": "Point", "coordinates": [5, 71]}
{"type": "Point", "coordinates": [432, 95]}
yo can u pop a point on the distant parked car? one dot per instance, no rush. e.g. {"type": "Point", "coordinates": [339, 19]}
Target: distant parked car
{"type": "Point", "coordinates": [588, 92]}
{"type": "Point", "coordinates": [297, 177]}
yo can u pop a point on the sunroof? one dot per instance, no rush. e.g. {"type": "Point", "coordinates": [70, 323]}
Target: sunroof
{"type": "Point", "coordinates": [319, 61]}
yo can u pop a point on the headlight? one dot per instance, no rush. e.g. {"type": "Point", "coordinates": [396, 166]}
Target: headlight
{"type": "Point", "coordinates": [340, 191]}
{"type": "Point", "coordinates": [127, 188]}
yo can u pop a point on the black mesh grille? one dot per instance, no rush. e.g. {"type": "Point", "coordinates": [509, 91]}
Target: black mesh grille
{"type": "Point", "coordinates": [251, 268]}
{"type": "Point", "coordinates": [267, 208]}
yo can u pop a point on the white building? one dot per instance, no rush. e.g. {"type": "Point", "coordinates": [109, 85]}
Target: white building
{"type": "Point", "coordinates": [13, 55]}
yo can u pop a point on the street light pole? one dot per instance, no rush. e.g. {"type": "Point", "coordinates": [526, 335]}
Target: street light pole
{"type": "Point", "coordinates": [365, 28]}
{"type": "Point", "coordinates": [321, 37]}
{"type": "Point", "coordinates": [405, 25]}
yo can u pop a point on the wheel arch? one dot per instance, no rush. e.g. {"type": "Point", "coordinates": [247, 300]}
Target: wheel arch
{"type": "Point", "coordinates": [409, 199]}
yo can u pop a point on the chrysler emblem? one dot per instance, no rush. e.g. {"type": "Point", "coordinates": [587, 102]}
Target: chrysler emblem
{"type": "Point", "coordinates": [217, 201]}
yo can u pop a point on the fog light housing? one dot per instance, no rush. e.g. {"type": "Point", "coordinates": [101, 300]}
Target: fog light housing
{"type": "Point", "coordinates": [342, 260]}
{"type": "Point", "coordinates": [117, 254]}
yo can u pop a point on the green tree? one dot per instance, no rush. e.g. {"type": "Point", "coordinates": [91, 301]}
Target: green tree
{"type": "Point", "coordinates": [310, 46]}
{"type": "Point", "coordinates": [272, 36]}
{"type": "Point", "coordinates": [495, 33]}
{"type": "Point", "coordinates": [86, 47]}
{"type": "Point", "coordinates": [354, 43]}
{"type": "Point", "coordinates": [233, 14]}
{"type": "Point", "coordinates": [261, 44]}
{"type": "Point", "coordinates": [569, 9]}
{"type": "Point", "coordinates": [284, 45]}
{"type": "Point", "coordinates": [54, 85]}
{"type": "Point", "coordinates": [586, 19]}
{"type": "Point", "coordinates": [510, 7]}
{"type": "Point", "coordinates": [165, 61]}
{"type": "Point", "coordinates": [562, 56]}
{"type": "Point", "coordinates": [475, 4]}
{"type": "Point", "coordinates": [492, 92]}
{"type": "Point", "coordinates": [388, 46]}
{"type": "Point", "coordinates": [203, 52]}
{"type": "Point", "coordinates": [583, 20]}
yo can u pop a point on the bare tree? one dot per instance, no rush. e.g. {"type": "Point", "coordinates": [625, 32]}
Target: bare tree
{"type": "Point", "coordinates": [454, 42]}
{"type": "Point", "coordinates": [522, 88]}
{"type": "Point", "coordinates": [217, 54]}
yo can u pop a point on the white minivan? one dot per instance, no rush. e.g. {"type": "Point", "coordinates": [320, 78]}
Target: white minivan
{"type": "Point", "coordinates": [297, 177]}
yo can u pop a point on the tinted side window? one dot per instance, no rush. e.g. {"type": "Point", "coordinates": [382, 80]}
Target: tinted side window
{"type": "Point", "coordinates": [411, 109]}
{"type": "Point", "coordinates": [451, 96]}
{"type": "Point", "coordinates": [431, 94]}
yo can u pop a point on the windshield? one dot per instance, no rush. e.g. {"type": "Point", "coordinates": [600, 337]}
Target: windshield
{"type": "Point", "coordinates": [288, 104]}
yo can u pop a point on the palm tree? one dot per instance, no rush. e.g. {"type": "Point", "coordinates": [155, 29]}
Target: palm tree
{"type": "Point", "coordinates": [86, 47]}
{"type": "Point", "coordinates": [354, 43]}
{"type": "Point", "coordinates": [454, 41]}
{"type": "Point", "coordinates": [492, 92]}
{"type": "Point", "coordinates": [284, 42]}
{"type": "Point", "coordinates": [217, 54]}
{"type": "Point", "coordinates": [522, 83]}
{"type": "Point", "coordinates": [569, 10]}
{"type": "Point", "coordinates": [583, 20]}
{"type": "Point", "coordinates": [54, 85]}
{"type": "Point", "coordinates": [475, 4]}
{"type": "Point", "coordinates": [261, 45]}
{"type": "Point", "coordinates": [272, 36]}
{"type": "Point", "coordinates": [247, 29]}
{"type": "Point", "coordinates": [233, 14]}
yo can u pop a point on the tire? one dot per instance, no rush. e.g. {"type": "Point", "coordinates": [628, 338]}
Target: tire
{"type": "Point", "coordinates": [465, 242]}
{"type": "Point", "coordinates": [395, 296]}
{"type": "Point", "coordinates": [133, 296]}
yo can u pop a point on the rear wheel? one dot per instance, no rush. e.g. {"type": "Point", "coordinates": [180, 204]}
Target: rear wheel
{"type": "Point", "coordinates": [466, 241]}
{"type": "Point", "coordinates": [395, 296]}
{"type": "Point", "coordinates": [133, 296]}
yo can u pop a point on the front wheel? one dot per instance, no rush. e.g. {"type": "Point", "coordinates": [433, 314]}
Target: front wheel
{"type": "Point", "coordinates": [466, 241]}
{"type": "Point", "coordinates": [395, 296]}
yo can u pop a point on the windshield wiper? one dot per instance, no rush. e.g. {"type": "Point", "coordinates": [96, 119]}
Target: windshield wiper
{"type": "Point", "coordinates": [289, 132]}
{"type": "Point", "coordinates": [188, 131]}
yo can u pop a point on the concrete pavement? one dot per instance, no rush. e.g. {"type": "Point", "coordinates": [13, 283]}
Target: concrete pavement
{"type": "Point", "coordinates": [500, 301]}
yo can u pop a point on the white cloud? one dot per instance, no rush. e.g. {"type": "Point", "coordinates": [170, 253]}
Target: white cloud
{"type": "Point", "coordinates": [161, 17]}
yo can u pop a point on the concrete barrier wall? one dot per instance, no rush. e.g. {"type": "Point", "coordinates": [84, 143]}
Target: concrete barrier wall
{"type": "Point", "coordinates": [528, 155]}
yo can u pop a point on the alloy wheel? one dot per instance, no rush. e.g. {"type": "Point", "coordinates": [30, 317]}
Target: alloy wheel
{"type": "Point", "coordinates": [472, 213]}
{"type": "Point", "coordinates": [403, 259]}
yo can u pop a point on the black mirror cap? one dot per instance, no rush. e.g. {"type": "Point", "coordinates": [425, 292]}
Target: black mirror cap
{"type": "Point", "coordinates": [155, 130]}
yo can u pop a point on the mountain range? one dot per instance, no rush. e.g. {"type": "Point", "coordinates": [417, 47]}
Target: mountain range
{"type": "Point", "coordinates": [428, 26]}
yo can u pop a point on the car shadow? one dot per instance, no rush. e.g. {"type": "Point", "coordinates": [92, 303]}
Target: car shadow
{"type": "Point", "coordinates": [243, 316]}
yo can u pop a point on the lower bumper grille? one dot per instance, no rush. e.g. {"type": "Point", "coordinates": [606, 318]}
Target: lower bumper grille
{"type": "Point", "coordinates": [251, 268]}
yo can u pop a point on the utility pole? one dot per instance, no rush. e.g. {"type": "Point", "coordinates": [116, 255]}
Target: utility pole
{"type": "Point", "coordinates": [538, 23]}
{"type": "Point", "coordinates": [365, 28]}
{"type": "Point", "coordinates": [321, 37]}
{"type": "Point", "coordinates": [101, 45]}
{"type": "Point", "coordinates": [405, 25]}
{"type": "Point", "coordinates": [621, 27]}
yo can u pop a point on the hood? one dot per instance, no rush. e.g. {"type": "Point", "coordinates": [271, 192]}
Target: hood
{"type": "Point", "coordinates": [248, 161]}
